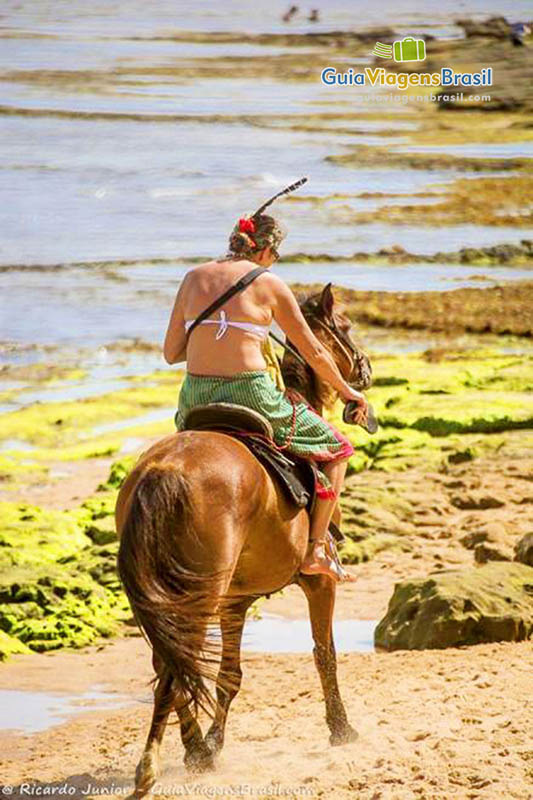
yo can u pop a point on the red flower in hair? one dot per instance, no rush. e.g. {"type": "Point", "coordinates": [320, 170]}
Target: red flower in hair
{"type": "Point", "coordinates": [246, 225]}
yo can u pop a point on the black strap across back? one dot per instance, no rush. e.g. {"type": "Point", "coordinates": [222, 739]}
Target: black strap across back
{"type": "Point", "coordinates": [241, 284]}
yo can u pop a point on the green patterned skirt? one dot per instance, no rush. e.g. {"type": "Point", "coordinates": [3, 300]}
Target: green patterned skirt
{"type": "Point", "coordinates": [298, 428]}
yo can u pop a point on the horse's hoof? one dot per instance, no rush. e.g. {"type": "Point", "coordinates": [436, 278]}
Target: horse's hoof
{"type": "Point", "coordinates": [344, 736]}
{"type": "Point", "coordinates": [200, 759]}
{"type": "Point", "coordinates": [145, 774]}
{"type": "Point", "coordinates": [214, 740]}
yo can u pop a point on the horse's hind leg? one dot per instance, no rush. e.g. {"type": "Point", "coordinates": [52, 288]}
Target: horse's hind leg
{"type": "Point", "coordinates": [232, 617]}
{"type": "Point", "coordinates": [148, 767]}
{"type": "Point", "coordinates": [320, 593]}
{"type": "Point", "coordinates": [198, 757]}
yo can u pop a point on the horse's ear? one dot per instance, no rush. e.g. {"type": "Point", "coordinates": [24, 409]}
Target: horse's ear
{"type": "Point", "coordinates": [326, 300]}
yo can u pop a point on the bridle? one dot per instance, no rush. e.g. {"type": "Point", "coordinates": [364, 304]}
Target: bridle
{"type": "Point", "coordinates": [340, 339]}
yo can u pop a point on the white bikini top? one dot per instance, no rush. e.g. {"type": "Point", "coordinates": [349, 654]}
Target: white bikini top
{"type": "Point", "coordinates": [224, 323]}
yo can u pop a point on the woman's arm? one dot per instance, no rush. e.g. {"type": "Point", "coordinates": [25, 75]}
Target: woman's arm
{"type": "Point", "coordinates": [289, 317]}
{"type": "Point", "coordinates": [175, 346]}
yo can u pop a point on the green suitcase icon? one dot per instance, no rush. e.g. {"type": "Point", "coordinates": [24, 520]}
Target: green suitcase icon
{"type": "Point", "coordinates": [409, 49]}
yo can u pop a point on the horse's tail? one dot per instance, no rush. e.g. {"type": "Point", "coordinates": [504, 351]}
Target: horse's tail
{"type": "Point", "coordinates": [172, 604]}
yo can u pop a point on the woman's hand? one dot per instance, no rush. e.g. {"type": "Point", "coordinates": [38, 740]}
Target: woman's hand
{"type": "Point", "coordinates": [352, 395]}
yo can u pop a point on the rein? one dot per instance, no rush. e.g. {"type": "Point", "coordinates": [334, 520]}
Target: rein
{"type": "Point", "coordinates": [289, 348]}
{"type": "Point", "coordinates": [334, 333]}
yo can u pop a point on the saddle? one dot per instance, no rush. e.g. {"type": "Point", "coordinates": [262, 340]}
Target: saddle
{"type": "Point", "coordinates": [295, 476]}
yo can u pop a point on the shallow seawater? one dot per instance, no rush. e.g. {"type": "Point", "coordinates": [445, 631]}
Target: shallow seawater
{"type": "Point", "coordinates": [160, 415]}
{"type": "Point", "coordinates": [72, 391]}
{"type": "Point", "coordinates": [117, 149]}
{"type": "Point", "coordinates": [31, 712]}
{"type": "Point", "coordinates": [82, 304]}
{"type": "Point", "coordinates": [125, 20]}
{"type": "Point", "coordinates": [272, 634]}
{"type": "Point", "coordinates": [16, 444]}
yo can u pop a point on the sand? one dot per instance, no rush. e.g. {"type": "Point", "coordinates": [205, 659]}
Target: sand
{"type": "Point", "coordinates": [431, 724]}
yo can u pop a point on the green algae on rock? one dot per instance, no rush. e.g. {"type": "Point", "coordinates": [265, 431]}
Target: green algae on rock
{"type": "Point", "coordinates": [492, 603]}
{"type": "Point", "coordinates": [436, 409]}
{"type": "Point", "coordinates": [62, 424]}
{"type": "Point", "coordinates": [9, 646]}
{"type": "Point", "coordinates": [58, 581]}
{"type": "Point", "coordinates": [479, 201]}
{"type": "Point", "coordinates": [510, 254]}
{"type": "Point", "coordinates": [357, 552]}
{"type": "Point", "coordinates": [62, 606]}
{"type": "Point", "coordinates": [362, 156]}
{"type": "Point", "coordinates": [504, 309]}
{"type": "Point", "coordinates": [118, 473]}
{"type": "Point", "coordinates": [34, 537]}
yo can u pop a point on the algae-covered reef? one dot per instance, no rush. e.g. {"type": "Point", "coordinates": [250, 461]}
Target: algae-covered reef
{"type": "Point", "coordinates": [493, 603]}
{"type": "Point", "coordinates": [479, 201]}
{"type": "Point", "coordinates": [504, 309]}
{"type": "Point", "coordinates": [488, 43]}
{"type": "Point", "coordinates": [442, 407]}
{"type": "Point", "coordinates": [365, 156]}
{"type": "Point", "coordinates": [441, 411]}
{"type": "Point", "coordinates": [508, 254]}
{"type": "Point", "coordinates": [58, 581]}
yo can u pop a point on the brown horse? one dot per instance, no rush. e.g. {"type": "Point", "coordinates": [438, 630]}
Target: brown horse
{"type": "Point", "coordinates": [204, 532]}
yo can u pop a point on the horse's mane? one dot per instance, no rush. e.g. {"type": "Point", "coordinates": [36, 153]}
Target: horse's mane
{"type": "Point", "coordinates": [300, 376]}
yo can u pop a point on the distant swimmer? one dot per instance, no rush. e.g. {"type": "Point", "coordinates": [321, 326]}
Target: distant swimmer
{"type": "Point", "coordinates": [314, 15]}
{"type": "Point", "coordinates": [290, 13]}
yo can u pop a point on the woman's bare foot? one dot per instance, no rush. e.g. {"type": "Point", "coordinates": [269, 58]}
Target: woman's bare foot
{"type": "Point", "coordinates": [318, 562]}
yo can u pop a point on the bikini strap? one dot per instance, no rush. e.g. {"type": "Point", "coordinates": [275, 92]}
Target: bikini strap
{"type": "Point", "coordinates": [233, 290]}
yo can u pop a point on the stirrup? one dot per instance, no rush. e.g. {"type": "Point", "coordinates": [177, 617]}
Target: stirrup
{"type": "Point", "coordinates": [344, 575]}
{"type": "Point", "coordinates": [334, 562]}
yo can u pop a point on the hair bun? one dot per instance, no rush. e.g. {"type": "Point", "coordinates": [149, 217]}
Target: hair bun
{"type": "Point", "coordinates": [240, 242]}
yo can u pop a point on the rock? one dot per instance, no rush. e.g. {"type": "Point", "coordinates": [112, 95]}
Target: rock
{"type": "Point", "coordinates": [461, 456]}
{"type": "Point", "coordinates": [524, 550]}
{"type": "Point", "coordinates": [9, 645]}
{"type": "Point", "coordinates": [471, 540]}
{"type": "Point", "coordinates": [484, 553]}
{"type": "Point", "coordinates": [493, 28]}
{"type": "Point", "coordinates": [470, 255]}
{"type": "Point", "coordinates": [353, 552]}
{"type": "Point", "coordinates": [476, 501]}
{"type": "Point", "coordinates": [392, 250]}
{"type": "Point", "coordinates": [492, 603]}
{"type": "Point", "coordinates": [101, 534]}
{"type": "Point", "coordinates": [490, 542]}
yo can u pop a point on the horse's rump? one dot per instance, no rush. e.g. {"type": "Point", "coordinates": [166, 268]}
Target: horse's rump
{"type": "Point", "coordinates": [193, 502]}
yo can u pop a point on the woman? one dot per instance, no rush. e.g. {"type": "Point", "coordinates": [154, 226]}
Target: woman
{"type": "Point", "coordinates": [226, 363]}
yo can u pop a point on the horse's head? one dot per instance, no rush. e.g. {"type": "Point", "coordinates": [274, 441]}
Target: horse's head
{"type": "Point", "coordinates": [333, 329]}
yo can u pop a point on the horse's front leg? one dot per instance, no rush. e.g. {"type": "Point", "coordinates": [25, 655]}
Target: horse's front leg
{"type": "Point", "coordinates": [232, 618]}
{"type": "Point", "coordinates": [148, 767]}
{"type": "Point", "coordinates": [320, 593]}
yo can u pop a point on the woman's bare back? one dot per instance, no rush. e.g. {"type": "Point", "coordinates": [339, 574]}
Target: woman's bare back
{"type": "Point", "coordinates": [237, 350]}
